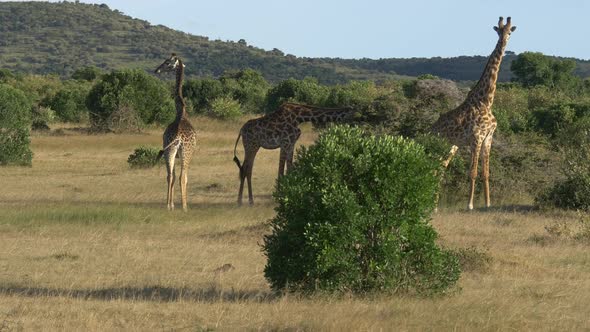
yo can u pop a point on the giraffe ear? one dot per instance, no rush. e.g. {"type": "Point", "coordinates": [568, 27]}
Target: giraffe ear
{"type": "Point", "coordinates": [512, 29]}
{"type": "Point", "coordinates": [496, 29]}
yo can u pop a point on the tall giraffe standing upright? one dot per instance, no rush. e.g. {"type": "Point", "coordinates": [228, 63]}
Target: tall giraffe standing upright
{"type": "Point", "coordinates": [179, 137]}
{"type": "Point", "coordinates": [279, 129]}
{"type": "Point", "coordinates": [472, 123]}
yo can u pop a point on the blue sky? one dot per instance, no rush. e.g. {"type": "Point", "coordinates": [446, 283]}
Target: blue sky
{"type": "Point", "coordinates": [376, 28]}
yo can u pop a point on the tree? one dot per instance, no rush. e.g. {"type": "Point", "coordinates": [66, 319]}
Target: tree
{"type": "Point", "coordinates": [89, 73]}
{"type": "Point", "coordinates": [130, 90]}
{"type": "Point", "coordinates": [307, 91]}
{"type": "Point", "coordinates": [247, 86]}
{"type": "Point", "coordinates": [202, 92]}
{"type": "Point", "coordinates": [534, 68]}
{"type": "Point", "coordinates": [15, 121]}
{"type": "Point", "coordinates": [69, 103]}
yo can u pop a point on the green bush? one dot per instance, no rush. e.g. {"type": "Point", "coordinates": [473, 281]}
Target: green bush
{"type": "Point", "coordinates": [201, 92]}
{"type": "Point", "coordinates": [15, 121]}
{"type": "Point", "coordinates": [248, 87]}
{"type": "Point", "coordinates": [143, 157]}
{"type": "Point", "coordinates": [307, 91]}
{"type": "Point", "coordinates": [573, 191]}
{"type": "Point", "coordinates": [69, 103]}
{"type": "Point", "coordinates": [131, 89]}
{"type": "Point", "coordinates": [359, 95]}
{"type": "Point", "coordinates": [352, 215]}
{"type": "Point", "coordinates": [225, 108]}
{"type": "Point", "coordinates": [511, 109]}
{"type": "Point", "coordinates": [88, 73]}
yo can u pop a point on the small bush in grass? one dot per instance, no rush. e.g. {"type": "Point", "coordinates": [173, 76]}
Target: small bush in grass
{"type": "Point", "coordinates": [225, 108]}
{"type": "Point", "coordinates": [143, 157]}
{"type": "Point", "coordinates": [352, 215]}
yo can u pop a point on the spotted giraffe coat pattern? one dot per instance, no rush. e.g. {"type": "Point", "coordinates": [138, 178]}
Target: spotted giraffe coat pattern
{"type": "Point", "coordinates": [279, 129]}
{"type": "Point", "coordinates": [180, 138]}
{"type": "Point", "coordinates": [472, 123]}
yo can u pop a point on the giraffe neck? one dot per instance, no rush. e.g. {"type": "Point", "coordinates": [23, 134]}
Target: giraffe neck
{"type": "Point", "coordinates": [482, 94]}
{"type": "Point", "coordinates": [178, 99]}
{"type": "Point", "coordinates": [321, 115]}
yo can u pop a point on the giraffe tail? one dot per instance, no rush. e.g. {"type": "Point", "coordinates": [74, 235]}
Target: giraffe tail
{"type": "Point", "coordinates": [236, 159]}
{"type": "Point", "coordinates": [160, 153]}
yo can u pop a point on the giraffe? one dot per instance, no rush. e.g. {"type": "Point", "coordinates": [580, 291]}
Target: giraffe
{"type": "Point", "coordinates": [180, 137]}
{"type": "Point", "coordinates": [279, 130]}
{"type": "Point", "coordinates": [472, 123]}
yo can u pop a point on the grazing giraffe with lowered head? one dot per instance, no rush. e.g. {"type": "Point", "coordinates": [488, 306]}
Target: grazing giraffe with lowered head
{"type": "Point", "coordinates": [472, 123]}
{"type": "Point", "coordinates": [180, 138]}
{"type": "Point", "coordinates": [279, 129]}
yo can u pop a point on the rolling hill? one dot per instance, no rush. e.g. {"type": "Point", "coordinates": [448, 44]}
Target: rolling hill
{"type": "Point", "coordinates": [41, 38]}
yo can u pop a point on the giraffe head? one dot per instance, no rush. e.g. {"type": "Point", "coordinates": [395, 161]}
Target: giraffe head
{"type": "Point", "coordinates": [169, 64]}
{"type": "Point", "coordinates": [504, 30]}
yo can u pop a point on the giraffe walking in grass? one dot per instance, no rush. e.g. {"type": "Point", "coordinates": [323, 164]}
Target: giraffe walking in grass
{"type": "Point", "coordinates": [472, 123]}
{"type": "Point", "coordinates": [279, 129]}
{"type": "Point", "coordinates": [180, 137]}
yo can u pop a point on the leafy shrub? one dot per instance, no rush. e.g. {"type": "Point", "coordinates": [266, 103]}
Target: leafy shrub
{"type": "Point", "coordinates": [573, 191]}
{"type": "Point", "coordinates": [352, 215]}
{"type": "Point", "coordinates": [15, 121]}
{"type": "Point", "coordinates": [201, 92]}
{"type": "Point", "coordinates": [356, 94]}
{"type": "Point", "coordinates": [69, 103]}
{"type": "Point", "coordinates": [88, 73]}
{"type": "Point", "coordinates": [553, 118]}
{"type": "Point", "coordinates": [248, 87]}
{"type": "Point", "coordinates": [143, 157]}
{"type": "Point", "coordinates": [511, 110]}
{"type": "Point", "coordinates": [225, 108]}
{"type": "Point", "coordinates": [148, 96]}
{"type": "Point", "coordinates": [42, 117]}
{"type": "Point", "coordinates": [307, 91]}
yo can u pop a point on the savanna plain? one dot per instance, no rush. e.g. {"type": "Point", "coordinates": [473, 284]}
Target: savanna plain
{"type": "Point", "coordinates": [86, 244]}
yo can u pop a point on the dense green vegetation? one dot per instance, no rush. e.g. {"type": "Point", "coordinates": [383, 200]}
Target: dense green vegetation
{"type": "Point", "coordinates": [352, 216]}
{"type": "Point", "coordinates": [45, 38]}
{"type": "Point", "coordinates": [15, 120]}
{"type": "Point", "coordinates": [130, 97]}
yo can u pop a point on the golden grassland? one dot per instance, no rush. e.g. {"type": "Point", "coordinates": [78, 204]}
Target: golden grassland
{"type": "Point", "coordinates": [86, 244]}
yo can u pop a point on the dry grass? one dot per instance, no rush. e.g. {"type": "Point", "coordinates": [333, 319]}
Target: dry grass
{"type": "Point", "coordinates": [87, 244]}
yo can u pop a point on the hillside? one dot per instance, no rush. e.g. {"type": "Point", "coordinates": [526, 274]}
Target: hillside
{"type": "Point", "coordinates": [39, 37]}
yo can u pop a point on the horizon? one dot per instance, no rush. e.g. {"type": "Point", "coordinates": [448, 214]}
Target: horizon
{"type": "Point", "coordinates": [233, 20]}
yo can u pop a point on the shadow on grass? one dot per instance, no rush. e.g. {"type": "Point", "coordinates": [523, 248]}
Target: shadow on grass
{"type": "Point", "coordinates": [519, 208]}
{"type": "Point", "coordinates": [151, 293]}
{"type": "Point", "coordinates": [115, 204]}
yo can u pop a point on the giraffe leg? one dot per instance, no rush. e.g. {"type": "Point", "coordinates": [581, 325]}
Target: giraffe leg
{"type": "Point", "coordinates": [485, 168]}
{"type": "Point", "coordinates": [186, 159]}
{"type": "Point", "coordinates": [282, 159]}
{"type": "Point", "coordinates": [248, 171]}
{"type": "Point", "coordinates": [475, 150]}
{"type": "Point", "coordinates": [241, 190]}
{"type": "Point", "coordinates": [171, 175]}
{"type": "Point", "coordinates": [290, 158]}
{"type": "Point", "coordinates": [288, 148]}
